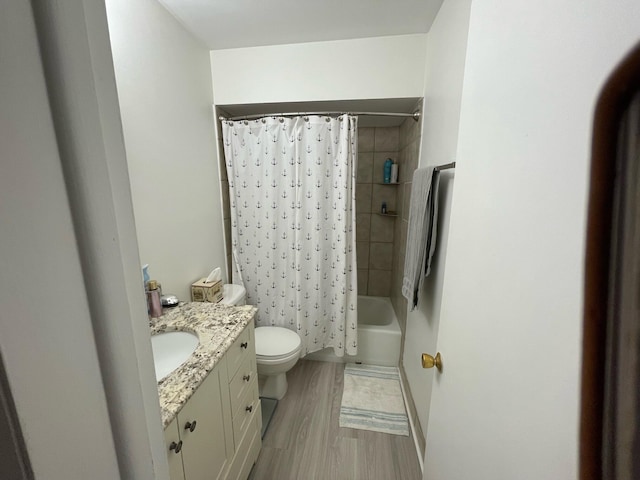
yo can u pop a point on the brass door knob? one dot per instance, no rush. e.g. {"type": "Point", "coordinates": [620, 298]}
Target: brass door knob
{"type": "Point", "coordinates": [429, 362]}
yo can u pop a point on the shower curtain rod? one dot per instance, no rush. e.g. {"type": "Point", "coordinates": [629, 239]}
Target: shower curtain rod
{"type": "Point", "coordinates": [414, 115]}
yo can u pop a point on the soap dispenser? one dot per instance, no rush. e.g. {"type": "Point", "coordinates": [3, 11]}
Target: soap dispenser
{"type": "Point", "coordinates": [154, 303]}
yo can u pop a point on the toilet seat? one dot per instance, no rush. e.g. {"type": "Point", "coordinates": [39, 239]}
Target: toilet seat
{"type": "Point", "coordinates": [278, 360]}
{"type": "Point", "coordinates": [276, 344]}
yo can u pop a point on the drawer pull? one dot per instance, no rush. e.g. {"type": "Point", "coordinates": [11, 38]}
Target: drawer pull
{"type": "Point", "coordinates": [191, 426]}
{"type": "Point", "coordinates": [244, 344]}
{"type": "Point", "coordinates": [246, 378]}
{"type": "Point", "coordinates": [176, 446]}
{"type": "Point", "coordinates": [249, 409]}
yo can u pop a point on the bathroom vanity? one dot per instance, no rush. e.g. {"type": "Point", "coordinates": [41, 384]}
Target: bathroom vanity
{"type": "Point", "coordinates": [209, 405]}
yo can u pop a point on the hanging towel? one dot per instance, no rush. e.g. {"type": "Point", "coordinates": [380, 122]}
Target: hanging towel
{"type": "Point", "coordinates": [421, 237]}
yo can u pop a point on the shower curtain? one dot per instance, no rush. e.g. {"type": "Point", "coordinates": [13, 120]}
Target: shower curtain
{"type": "Point", "coordinates": [292, 190]}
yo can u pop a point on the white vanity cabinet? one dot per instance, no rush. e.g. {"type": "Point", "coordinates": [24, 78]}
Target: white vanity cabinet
{"type": "Point", "coordinates": [216, 434]}
{"type": "Point", "coordinates": [174, 447]}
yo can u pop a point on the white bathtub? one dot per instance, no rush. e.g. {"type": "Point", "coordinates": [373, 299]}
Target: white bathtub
{"type": "Point", "coordinates": [378, 335]}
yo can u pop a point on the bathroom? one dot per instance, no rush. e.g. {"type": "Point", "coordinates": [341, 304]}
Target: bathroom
{"type": "Point", "coordinates": [195, 189]}
{"type": "Point", "coordinates": [506, 280]}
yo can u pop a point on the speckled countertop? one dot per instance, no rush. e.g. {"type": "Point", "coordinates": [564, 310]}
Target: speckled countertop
{"type": "Point", "coordinates": [217, 327]}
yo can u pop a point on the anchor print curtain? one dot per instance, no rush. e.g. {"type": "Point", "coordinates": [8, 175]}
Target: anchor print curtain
{"type": "Point", "coordinates": [292, 188]}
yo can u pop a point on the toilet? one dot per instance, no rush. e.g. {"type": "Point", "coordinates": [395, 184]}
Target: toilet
{"type": "Point", "coordinates": [277, 349]}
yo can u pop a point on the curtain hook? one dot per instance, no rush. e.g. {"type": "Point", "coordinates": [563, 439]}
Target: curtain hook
{"type": "Point", "coordinates": [281, 120]}
{"type": "Point", "coordinates": [306, 119]}
{"type": "Point", "coordinates": [264, 120]}
{"type": "Point", "coordinates": [246, 122]}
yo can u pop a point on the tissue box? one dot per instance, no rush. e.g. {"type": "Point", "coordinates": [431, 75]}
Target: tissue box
{"type": "Point", "coordinates": [202, 291]}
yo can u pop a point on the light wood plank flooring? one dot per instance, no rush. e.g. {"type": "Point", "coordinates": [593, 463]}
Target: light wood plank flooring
{"type": "Point", "coordinates": [304, 441]}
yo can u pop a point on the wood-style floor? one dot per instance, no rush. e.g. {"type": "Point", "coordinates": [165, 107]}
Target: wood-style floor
{"type": "Point", "coordinates": [304, 441]}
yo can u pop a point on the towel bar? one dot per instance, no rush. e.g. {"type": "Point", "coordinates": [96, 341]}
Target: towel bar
{"type": "Point", "coordinates": [445, 166]}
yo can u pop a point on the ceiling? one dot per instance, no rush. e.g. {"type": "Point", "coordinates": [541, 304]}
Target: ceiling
{"type": "Point", "coordinates": [251, 23]}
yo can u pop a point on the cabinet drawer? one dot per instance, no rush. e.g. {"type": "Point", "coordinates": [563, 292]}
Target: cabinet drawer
{"type": "Point", "coordinates": [242, 380]}
{"type": "Point", "coordinates": [239, 350]}
{"type": "Point", "coordinates": [249, 405]}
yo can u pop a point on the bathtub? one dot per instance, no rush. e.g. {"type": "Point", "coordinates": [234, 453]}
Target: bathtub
{"type": "Point", "coordinates": [379, 335]}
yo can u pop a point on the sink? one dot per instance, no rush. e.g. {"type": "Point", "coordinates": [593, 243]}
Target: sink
{"type": "Point", "coordinates": [170, 350]}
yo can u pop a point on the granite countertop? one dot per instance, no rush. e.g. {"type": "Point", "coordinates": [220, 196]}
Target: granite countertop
{"type": "Point", "coordinates": [217, 327]}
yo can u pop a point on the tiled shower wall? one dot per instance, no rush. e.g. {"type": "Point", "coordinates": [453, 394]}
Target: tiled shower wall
{"type": "Point", "coordinates": [375, 232]}
{"type": "Point", "coordinates": [409, 142]}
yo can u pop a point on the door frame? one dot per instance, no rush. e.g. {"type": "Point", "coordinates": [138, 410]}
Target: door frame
{"type": "Point", "coordinates": [62, 51]}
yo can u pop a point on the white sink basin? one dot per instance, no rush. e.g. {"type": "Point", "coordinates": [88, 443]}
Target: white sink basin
{"type": "Point", "coordinates": [170, 350]}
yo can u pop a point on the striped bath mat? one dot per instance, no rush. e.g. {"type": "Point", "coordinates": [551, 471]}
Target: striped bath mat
{"type": "Point", "coordinates": [372, 400]}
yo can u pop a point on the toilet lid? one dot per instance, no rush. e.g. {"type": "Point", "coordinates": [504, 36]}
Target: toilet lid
{"type": "Point", "coordinates": [276, 341]}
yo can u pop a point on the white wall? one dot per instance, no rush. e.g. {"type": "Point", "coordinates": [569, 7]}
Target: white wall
{"type": "Point", "coordinates": [368, 68]}
{"type": "Point", "coordinates": [446, 48]}
{"type": "Point", "coordinates": [507, 404]}
{"type": "Point", "coordinates": [164, 88]}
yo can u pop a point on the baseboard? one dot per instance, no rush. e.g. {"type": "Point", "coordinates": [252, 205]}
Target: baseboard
{"type": "Point", "coordinates": [416, 429]}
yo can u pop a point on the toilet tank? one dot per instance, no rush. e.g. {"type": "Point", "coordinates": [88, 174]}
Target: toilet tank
{"type": "Point", "coordinates": [233, 294]}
